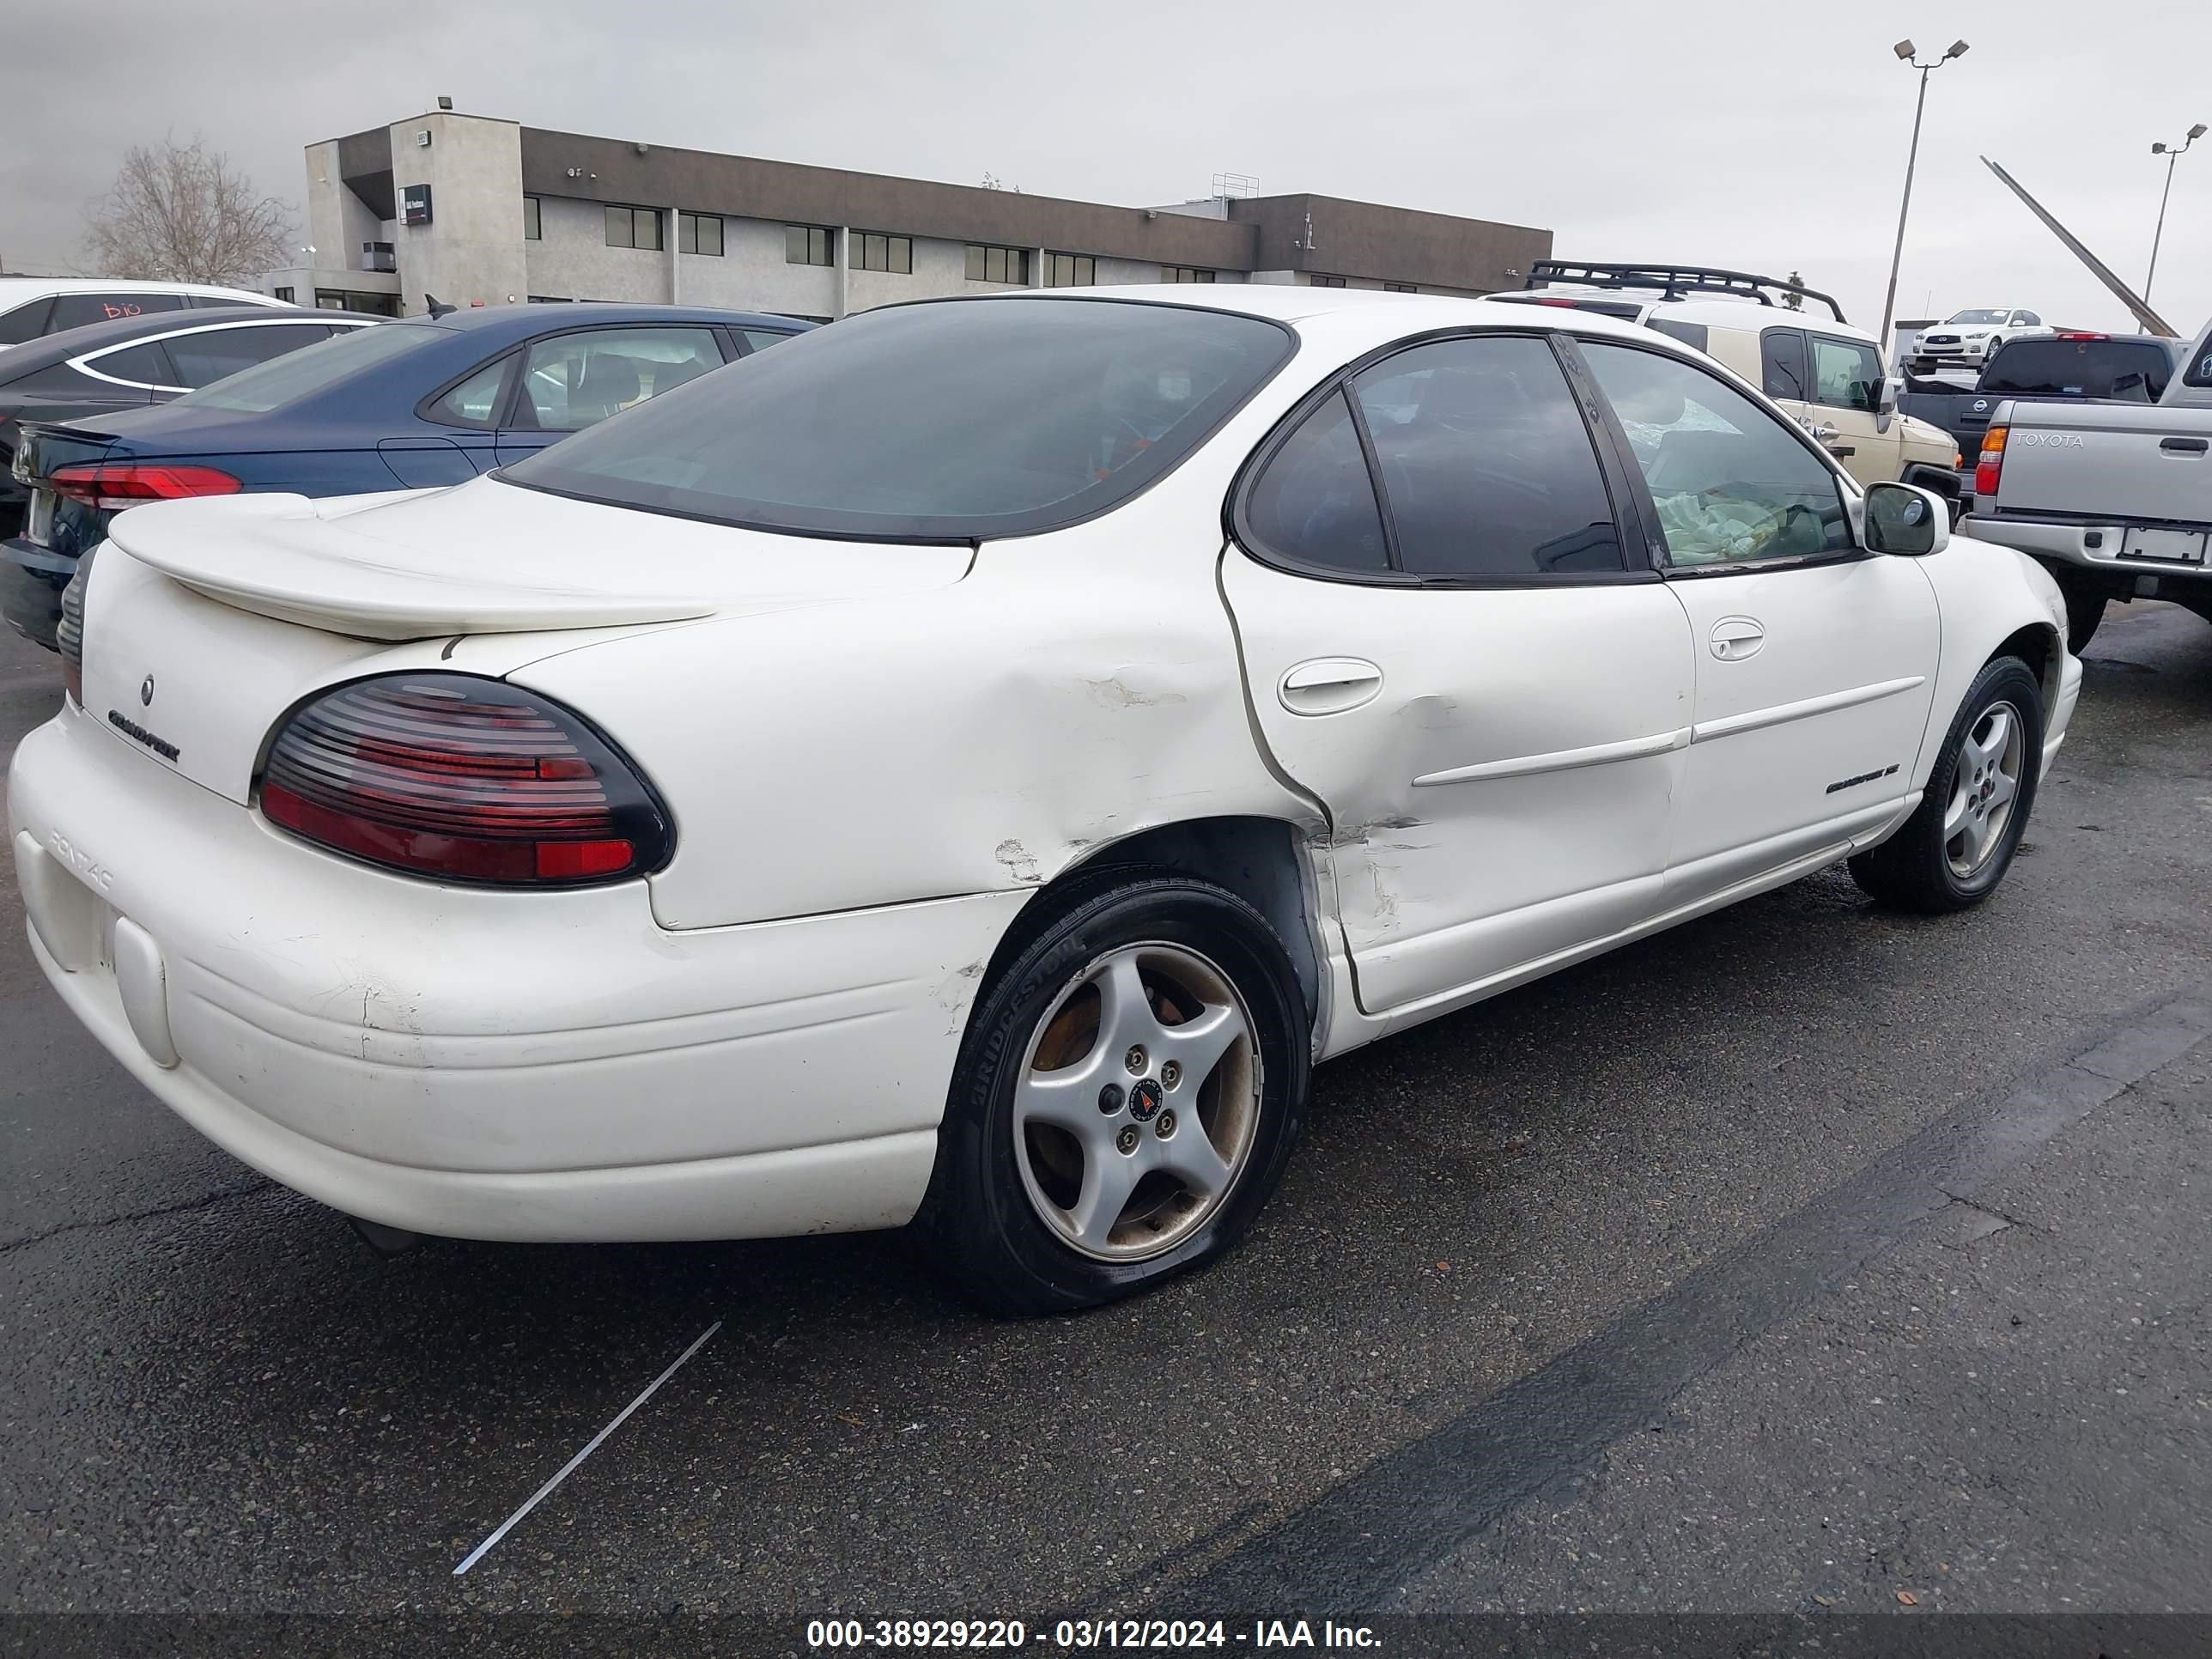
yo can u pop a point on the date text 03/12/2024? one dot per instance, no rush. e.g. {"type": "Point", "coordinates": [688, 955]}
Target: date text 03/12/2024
{"type": "Point", "coordinates": [1085, 1634]}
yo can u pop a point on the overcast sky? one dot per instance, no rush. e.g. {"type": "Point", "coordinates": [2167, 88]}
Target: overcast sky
{"type": "Point", "coordinates": [1767, 135]}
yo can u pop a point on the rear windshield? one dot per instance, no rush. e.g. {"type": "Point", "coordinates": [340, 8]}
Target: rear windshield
{"type": "Point", "coordinates": [285, 380]}
{"type": "Point", "coordinates": [946, 421]}
{"type": "Point", "coordinates": [2200, 366]}
{"type": "Point", "coordinates": [2079, 368]}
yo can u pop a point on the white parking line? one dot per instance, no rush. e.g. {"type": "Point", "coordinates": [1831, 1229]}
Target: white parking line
{"type": "Point", "coordinates": [590, 1446]}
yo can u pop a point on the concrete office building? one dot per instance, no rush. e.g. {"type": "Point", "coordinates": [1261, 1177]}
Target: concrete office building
{"type": "Point", "coordinates": [480, 211]}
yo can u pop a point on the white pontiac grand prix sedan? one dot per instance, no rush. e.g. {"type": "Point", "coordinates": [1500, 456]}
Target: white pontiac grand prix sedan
{"type": "Point", "coordinates": [965, 765]}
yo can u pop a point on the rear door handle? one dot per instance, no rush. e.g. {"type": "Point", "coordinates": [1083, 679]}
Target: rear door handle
{"type": "Point", "coordinates": [1329, 685]}
{"type": "Point", "coordinates": [2184, 446]}
{"type": "Point", "coordinates": [1736, 638]}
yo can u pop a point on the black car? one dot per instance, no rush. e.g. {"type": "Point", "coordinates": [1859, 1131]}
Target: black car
{"type": "Point", "coordinates": [136, 361]}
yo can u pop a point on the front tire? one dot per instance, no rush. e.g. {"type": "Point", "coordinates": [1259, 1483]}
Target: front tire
{"type": "Point", "coordinates": [1128, 1094]}
{"type": "Point", "coordinates": [1958, 842]}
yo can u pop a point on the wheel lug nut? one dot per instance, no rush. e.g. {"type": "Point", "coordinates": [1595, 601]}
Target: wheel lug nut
{"type": "Point", "coordinates": [1109, 1099]}
{"type": "Point", "coordinates": [1134, 1059]}
{"type": "Point", "coordinates": [1164, 1126]}
{"type": "Point", "coordinates": [1170, 1074]}
{"type": "Point", "coordinates": [1126, 1140]}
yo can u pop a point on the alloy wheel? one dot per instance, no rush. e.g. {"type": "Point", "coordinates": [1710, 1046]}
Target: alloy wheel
{"type": "Point", "coordinates": [1984, 787]}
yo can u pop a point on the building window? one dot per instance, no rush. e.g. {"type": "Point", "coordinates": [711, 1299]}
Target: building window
{"type": "Point", "coordinates": [1325, 281]}
{"type": "Point", "coordinates": [285, 294]}
{"type": "Point", "coordinates": [533, 229]}
{"type": "Point", "coordinates": [550, 300]}
{"type": "Point", "coordinates": [634, 226]}
{"type": "Point", "coordinates": [809, 244]}
{"type": "Point", "coordinates": [998, 264]}
{"type": "Point", "coordinates": [872, 251]}
{"type": "Point", "coordinates": [699, 233]}
{"type": "Point", "coordinates": [1184, 274]}
{"type": "Point", "coordinates": [1070, 271]}
{"type": "Point", "coordinates": [1400, 287]}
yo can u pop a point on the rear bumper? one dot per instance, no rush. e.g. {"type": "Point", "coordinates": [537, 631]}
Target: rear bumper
{"type": "Point", "coordinates": [475, 1064]}
{"type": "Point", "coordinates": [2090, 546]}
{"type": "Point", "coordinates": [31, 583]}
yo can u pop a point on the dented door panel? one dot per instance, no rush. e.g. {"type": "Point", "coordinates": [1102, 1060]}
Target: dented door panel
{"type": "Point", "coordinates": [1501, 793]}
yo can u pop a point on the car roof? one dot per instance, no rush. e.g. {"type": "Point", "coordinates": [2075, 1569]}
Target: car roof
{"type": "Point", "coordinates": [50, 348]}
{"type": "Point", "coordinates": [583, 313]}
{"type": "Point", "coordinates": [14, 289]}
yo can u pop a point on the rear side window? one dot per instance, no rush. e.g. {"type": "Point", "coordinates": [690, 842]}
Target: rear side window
{"type": "Point", "coordinates": [203, 359]}
{"type": "Point", "coordinates": [946, 421]}
{"type": "Point", "coordinates": [75, 310]}
{"type": "Point", "coordinates": [1487, 469]}
{"type": "Point", "coordinates": [475, 401]}
{"type": "Point", "coordinates": [25, 322]}
{"type": "Point", "coordinates": [1782, 365]}
{"type": "Point", "coordinates": [1315, 501]}
{"type": "Point", "coordinates": [299, 373]}
{"type": "Point", "coordinates": [141, 365]}
{"type": "Point", "coordinates": [2079, 368]}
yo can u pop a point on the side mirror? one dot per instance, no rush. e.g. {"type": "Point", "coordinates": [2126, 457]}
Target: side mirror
{"type": "Point", "coordinates": [1907, 520]}
{"type": "Point", "coordinates": [1886, 398]}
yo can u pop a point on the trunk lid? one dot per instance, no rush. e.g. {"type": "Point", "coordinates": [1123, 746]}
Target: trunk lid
{"type": "Point", "coordinates": [2110, 462]}
{"type": "Point", "coordinates": [204, 620]}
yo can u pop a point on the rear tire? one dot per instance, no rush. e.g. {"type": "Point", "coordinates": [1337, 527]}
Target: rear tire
{"type": "Point", "coordinates": [1126, 1096]}
{"type": "Point", "coordinates": [1958, 842]}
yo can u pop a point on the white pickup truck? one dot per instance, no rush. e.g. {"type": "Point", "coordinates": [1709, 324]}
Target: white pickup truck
{"type": "Point", "coordinates": [2113, 498]}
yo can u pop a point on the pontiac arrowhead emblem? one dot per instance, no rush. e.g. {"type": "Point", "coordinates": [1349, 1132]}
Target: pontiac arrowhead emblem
{"type": "Point", "coordinates": [146, 692]}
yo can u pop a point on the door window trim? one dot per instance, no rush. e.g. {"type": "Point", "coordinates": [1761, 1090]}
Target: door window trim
{"type": "Point", "coordinates": [1627, 516]}
{"type": "Point", "coordinates": [83, 363]}
{"type": "Point", "coordinates": [1852, 498]}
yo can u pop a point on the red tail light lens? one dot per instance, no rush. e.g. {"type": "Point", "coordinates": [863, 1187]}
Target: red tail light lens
{"type": "Point", "coordinates": [109, 485]}
{"type": "Point", "coordinates": [1990, 465]}
{"type": "Point", "coordinates": [464, 779]}
{"type": "Point", "coordinates": [2078, 336]}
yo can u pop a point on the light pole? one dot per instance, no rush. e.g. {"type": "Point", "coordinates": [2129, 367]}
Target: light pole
{"type": "Point", "coordinates": [2172, 154]}
{"type": "Point", "coordinates": [1908, 53]}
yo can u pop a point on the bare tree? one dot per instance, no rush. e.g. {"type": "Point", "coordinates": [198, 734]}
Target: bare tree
{"type": "Point", "coordinates": [184, 213]}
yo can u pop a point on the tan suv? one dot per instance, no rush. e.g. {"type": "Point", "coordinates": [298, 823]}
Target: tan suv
{"type": "Point", "coordinates": [1825, 373]}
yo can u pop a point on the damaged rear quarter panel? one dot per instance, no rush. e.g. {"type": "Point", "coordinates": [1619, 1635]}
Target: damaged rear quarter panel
{"type": "Point", "coordinates": [1074, 689]}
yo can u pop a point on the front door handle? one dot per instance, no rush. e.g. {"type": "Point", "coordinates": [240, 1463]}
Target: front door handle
{"type": "Point", "coordinates": [1329, 685]}
{"type": "Point", "coordinates": [1736, 638]}
{"type": "Point", "coordinates": [1826, 434]}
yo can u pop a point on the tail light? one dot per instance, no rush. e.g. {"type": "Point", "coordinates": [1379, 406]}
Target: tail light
{"type": "Point", "coordinates": [109, 485]}
{"type": "Point", "coordinates": [1991, 464]}
{"type": "Point", "coordinates": [2073, 335]}
{"type": "Point", "coordinates": [465, 778]}
{"type": "Point", "coordinates": [69, 632]}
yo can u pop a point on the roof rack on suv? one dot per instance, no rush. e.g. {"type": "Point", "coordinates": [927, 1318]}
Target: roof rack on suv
{"type": "Point", "coordinates": [1675, 281]}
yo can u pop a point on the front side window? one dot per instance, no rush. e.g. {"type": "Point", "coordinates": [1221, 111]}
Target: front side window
{"type": "Point", "coordinates": [809, 244]}
{"type": "Point", "coordinates": [312, 369]}
{"type": "Point", "coordinates": [1070, 271]}
{"type": "Point", "coordinates": [1315, 501]}
{"type": "Point", "coordinates": [1846, 373]}
{"type": "Point", "coordinates": [1487, 469]}
{"type": "Point", "coordinates": [1732, 482]}
{"type": "Point", "coordinates": [998, 264]}
{"type": "Point", "coordinates": [699, 233]}
{"type": "Point", "coordinates": [945, 422]}
{"type": "Point", "coordinates": [1783, 372]}
{"type": "Point", "coordinates": [873, 252]}
{"type": "Point", "coordinates": [575, 380]}
{"type": "Point", "coordinates": [204, 358]}
{"type": "Point", "coordinates": [634, 226]}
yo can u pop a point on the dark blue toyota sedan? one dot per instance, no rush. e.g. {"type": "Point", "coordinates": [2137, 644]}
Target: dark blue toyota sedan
{"type": "Point", "coordinates": [405, 405]}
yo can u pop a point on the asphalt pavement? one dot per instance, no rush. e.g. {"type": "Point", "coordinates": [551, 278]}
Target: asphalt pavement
{"type": "Point", "coordinates": [1806, 1258]}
